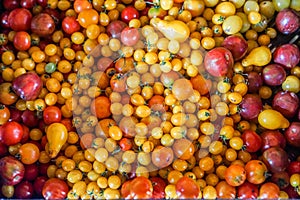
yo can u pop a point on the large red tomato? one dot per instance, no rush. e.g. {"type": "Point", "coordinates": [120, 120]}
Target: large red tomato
{"type": "Point", "coordinates": [70, 25]}
{"type": "Point", "coordinates": [12, 133]}
{"type": "Point", "coordinates": [187, 188]}
{"type": "Point", "coordinates": [22, 41]}
{"type": "Point", "coordinates": [129, 13]}
{"type": "Point", "coordinates": [252, 141]}
{"type": "Point", "coordinates": [55, 188]}
{"type": "Point", "coordinates": [19, 19]}
{"type": "Point", "coordinates": [52, 114]}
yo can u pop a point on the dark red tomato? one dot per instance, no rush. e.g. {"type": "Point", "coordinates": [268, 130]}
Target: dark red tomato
{"type": "Point", "coordinates": [43, 169]}
{"type": "Point", "coordinates": [15, 115]}
{"type": "Point", "coordinates": [42, 3]}
{"type": "Point", "coordinates": [129, 13]}
{"type": "Point", "coordinates": [11, 170]}
{"type": "Point", "coordinates": [276, 159]}
{"type": "Point", "coordinates": [118, 83]}
{"type": "Point", "coordinates": [19, 19]}
{"type": "Point", "coordinates": [247, 191]}
{"type": "Point", "coordinates": [125, 144]}
{"type": "Point", "coordinates": [130, 36]}
{"type": "Point", "coordinates": [251, 140]}
{"type": "Point", "coordinates": [28, 4]}
{"type": "Point", "coordinates": [55, 188]}
{"type": "Point", "coordinates": [293, 194]}
{"type": "Point", "coordinates": [25, 134]}
{"type": "Point", "coordinates": [4, 19]}
{"type": "Point", "coordinates": [293, 167]}
{"type": "Point", "coordinates": [22, 41]}
{"type": "Point", "coordinates": [187, 188]}
{"type": "Point", "coordinates": [70, 25]}
{"type": "Point", "coordinates": [24, 190]}
{"type": "Point", "coordinates": [38, 185]}
{"type": "Point", "coordinates": [141, 188]}
{"type": "Point", "coordinates": [272, 138]}
{"type": "Point", "coordinates": [3, 149]}
{"type": "Point", "coordinates": [29, 118]}
{"type": "Point", "coordinates": [31, 172]}
{"type": "Point", "coordinates": [282, 179]}
{"type": "Point", "coordinates": [68, 124]}
{"type": "Point", "coordinates": [52, 114]}
{"type": "Point", "coordinates": [158, 185]}
{"type": "Point", "coordinates": [10, 4]}
{"type": "Point", "coordinates": [12, 133]}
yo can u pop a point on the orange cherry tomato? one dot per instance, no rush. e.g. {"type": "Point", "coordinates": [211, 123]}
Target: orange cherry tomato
{"type": "Point", "coordinates": [29, 153]}
{"type": "Point", "coordinates": [235, 175]}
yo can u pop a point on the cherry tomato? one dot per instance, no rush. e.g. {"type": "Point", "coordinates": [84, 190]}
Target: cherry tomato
{"type": "Point", "coordinates": [251, 140]}
{"type": "Point", "coordinates": [158, 187]}
{"type": "Point", "coordinates": [247, 191]}
{"type": "Point", "coordinates": [129, 13]}
{"type": "Point", "coordinates": [19, 19]}
{"type": "Point", "coordinates": [4, 114]}
{"type": "Point", "coordinates": [12, 133]}
{"type": "Point", "coordinates": [52, 114]}
{"type": "Point", "coordinates": [269, 191]}
{"type": "Point", "coordinates": [187, 188]}
{"type": "Point", "coordinates": [130, 36]}
{"type": "Point", "coordinates": [29, 153]}
{"type": "Point", "coordinates": [141, 188]}
{"type": "Point", "coordinates": [235, 175]}
{"type": "Point", "coordinates": [70, 25]}
{"type": "Point", "coordinates": [55, 188]}
{"type": "Point", "coordinates": [101, 107]}
{"type": "Point", "coordinates": [125, 144]}
{"type": "Point", "coordinates": [118, 83]}
{"type": "Point", "coordinates": [225, 191]}
{"type": "Point", "coordinates": [256, 171]}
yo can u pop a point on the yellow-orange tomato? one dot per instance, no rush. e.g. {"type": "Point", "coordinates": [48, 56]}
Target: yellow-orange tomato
{"type": "Point", "coordinates": [88, 17]}
{"type": "Point", "coordinates": [57, 136]}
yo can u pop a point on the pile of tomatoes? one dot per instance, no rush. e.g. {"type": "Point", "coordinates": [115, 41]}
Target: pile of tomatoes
{"type": "Point", "coordinates": [149, 99]}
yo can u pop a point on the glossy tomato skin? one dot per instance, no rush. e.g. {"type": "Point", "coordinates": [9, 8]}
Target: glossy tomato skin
{"type": "Point", "coordinates": [4, 20]}
{"type": "Point", "coordinates": [29, 118]}
{"type": "Point", "coordinates": [70, 25]}
{"type": "Point", "coordinates": [252, 141]}
{"type": "Point", "coordinates": [272, 138]}
{"type": "Point", "coordinates": [256, 171]}
{"type": "Point", "coordinates": [129, 13]}
{"type": "Point", "coordinates": [22, 41]}
{"type": "Point", "coordinates": [52, 114]}
{"type": "Point", "coordinates": [11, 170]}
{"type": "Point", "coordinates": [276, 159]}
{"type": "Point", "coordinates": [19, 19]}
{"type": "Point", "coordinates": [24, 190]}
{"type": "Point", "coordinates": [225, 191]}
{"type": "Point", "coordinates": [141, 188]}
{"type": "Point", "coordinates": [10, 4]}
{"type": "Point", "coordinates": [31, 172]}
{"type": "Point", "coordinates": [28, 4]}
{"type": "Point", "coordinates": [282, 179]}
{"type": "Point", "coordinates": [187, 188]}
{"type": "Point", "coordinates": [130, 36]}
{"type": "Point", "coordinates": [158, 185]}
{"type": "Point", "coordinates": [293, 167]}
{"type": "Point", "coordinates": [12, 133]}
{"type": "Point", "coordinates": [247, 191]}
{"type": "Point", "coordinates": [28, 86]}
{"type": "Point", "coordinates": [55, 188]}
{"type": "Point", "coordinates": [38, 185]}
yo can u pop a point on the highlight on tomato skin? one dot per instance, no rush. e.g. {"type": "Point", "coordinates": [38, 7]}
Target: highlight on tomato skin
{"type": "Point", "coordinates": [149, 99]}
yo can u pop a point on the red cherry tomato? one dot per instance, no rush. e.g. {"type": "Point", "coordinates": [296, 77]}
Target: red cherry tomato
{"type": "Point", "coordinates": [22, 41]}
{"type": "Point", "coordinates": [19, 19]}
{"type": "Point", "coordinates": [251, 140]}
{"type": "Point", "coordinates": [247, 191]}
{"type": "Point", "coordinates": [55, 188]}
{"type": "Point", "coordinates": [141, 188]}
{"type": "Point", "coordinates": [70, 25]}
{"type": "Point", "coordinates": [129, 13]}
{"type": "Point", "coordinates": [52, 114]}
{"type": "Point", "coordinates": [130, 36]}
{"type": "Point", "coordinates": [158, 187]}
{"type": "Point", "coordinates": [12, 133]}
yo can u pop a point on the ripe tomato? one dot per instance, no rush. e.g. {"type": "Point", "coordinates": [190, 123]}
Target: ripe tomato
{"type": "Point", "coordinates": [101, 107]}
{"type": "Point", "coordinates": [125, 190]}
{"type": "Point", "coordinates": [52, 114]}
{"type": "Point", "coordinates": [162, 156]}
{"type": "Point", "coordinates": [70, 25]}
{"type": "Point", "coordinates": [187, 188]}
{"type": "Point", "coordinates": [4, 114]}
{"type": "Point", "coordinates": [141, 188]}
{"type": "Point", "coordinates": [55, 188]}
{"type": "Point", "coordinates": [130, 36]}
{"type": "Point", "coordinates": [183, 149]}
{"type": "Point", "coordinates": [269, 191]}
{"type": "Point", "coordinates": [201, 84]}
{"type": "Point", "coordinates": [125, 144]}
{"type": "Point", "coordinates": [19, 19]}
{"type": "Point", "coordinates": [256, 171]}
{"type": "Point", "coordinates": [158, 187]}
{"type": "Point", "coordinates": [12, 133]}
{"type": "Point", "coordinates": [118, 83]}
{"type": "Point", "coordinates": [247, 191]}
{"type": "Point", "coordinates": [88, 17]}
{"type": "Point", "coordinates": [29, 153]}
{"type": "Point", "coordinates": [7, 96]}
{"type": "Point", "coordinates": [235, 175]}
{"type": "Point", "coordinates": [225, 191]}
{"type": "Point", "coordinates": [129, 13]}
{"type": "Point", "coordinates": [80, 5]}
{"type": "Point", "coordinates": [252, 140]}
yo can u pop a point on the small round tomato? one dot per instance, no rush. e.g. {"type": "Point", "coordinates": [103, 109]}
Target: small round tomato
{"type": "Point", "coordinates": [225, 191]}
{"type": "Point", "coordinates": [12, 133]}
{"type": "Point", "coordinates": [187, 188]}
{"type": "Point", "coordinates": [19, 19]}
{"type": "Point", "coordinates": [22, 41]}
{"type": "Point", "coordinates": [52, 114]}
{"type": "Point", "coordinates": [4, 114]}
{"type": "Point", "coordinates": [130, 36]}
{"type": "Point", "coordinates": [129, 13]}
{"type": "Point", "coordinates": [251, 140]}
{"type": "Point", "coordinates": [269, 191]}
{"type": "Point", "coordinates": [235, 175]}
{"type": "Point", "coordinates": [141, 188]}
{"type": "Point", "coordinates": [118, 83]}
{"type": "Point", "coordinates": [55, 188]}
{"type": "Point", "coordinates": [247, 191]}
{"type": "Point", "coordinates": [183, 149]}
{"type": "Point", "coordinates": [125, 144]}
{"type": "Point", "coordinates": [29, 153]}
{"type": "Point", "coordinates": [88, 17]}
{"type": "Point", "coordinates": [70, 25]}
{"type": "Point", "coordinates": [256, 171]}
{"type": "Point", "coordinates": [158, 187]}
{"type": "Point", "coordinates": [101, 107]}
